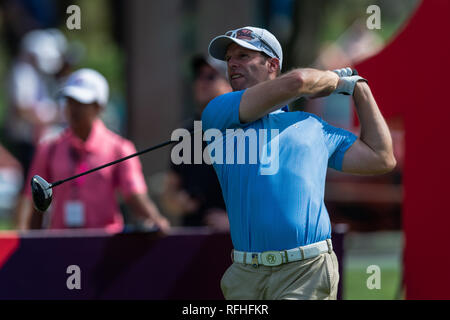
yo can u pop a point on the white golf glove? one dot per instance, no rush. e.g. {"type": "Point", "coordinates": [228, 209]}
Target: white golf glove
{"type": "Point", "coordinates": [347, 81]}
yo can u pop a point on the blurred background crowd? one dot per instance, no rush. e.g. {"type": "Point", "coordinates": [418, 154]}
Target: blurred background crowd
{"type": "Point", "coordinates": [153, 55]}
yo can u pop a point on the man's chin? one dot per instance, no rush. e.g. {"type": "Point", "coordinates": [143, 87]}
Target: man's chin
{"type": "Point", "coordinates": [238, 87]}
{"type": "Point", "coordinates": [238, 84]}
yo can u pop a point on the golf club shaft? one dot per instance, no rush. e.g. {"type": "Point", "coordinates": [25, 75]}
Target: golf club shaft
{"type": "Point", "coordinates": [54, 184]}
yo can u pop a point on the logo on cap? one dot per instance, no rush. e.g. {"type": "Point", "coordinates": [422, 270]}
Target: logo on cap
{"type": "Point", "coordinates": [245, 34]}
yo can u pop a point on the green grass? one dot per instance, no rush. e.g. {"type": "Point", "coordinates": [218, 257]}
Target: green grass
{"type": "Point", "coordinates": [355, 287]}
{"type": "Point", "coordinates": [362, 250]}
{"type": "Point", "coordinates": [6, 224]}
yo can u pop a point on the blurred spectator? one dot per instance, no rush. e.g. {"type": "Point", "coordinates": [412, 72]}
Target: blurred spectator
{"type": "Point", "coordinates": [192, 191]}
{"type": "Point", "coordinates": [34, 79]}
{"type": "Point", "coordinates": [89, 201]}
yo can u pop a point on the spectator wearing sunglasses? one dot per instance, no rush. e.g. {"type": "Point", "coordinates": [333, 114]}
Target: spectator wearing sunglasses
{"type": "Point", "coordinates": [192, 193]}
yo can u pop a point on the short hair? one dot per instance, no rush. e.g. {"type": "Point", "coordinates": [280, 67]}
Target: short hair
{"type": "Point", "coordinates": [266, 56]}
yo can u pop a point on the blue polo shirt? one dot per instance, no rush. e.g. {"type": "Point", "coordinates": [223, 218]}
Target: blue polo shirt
{"type": "Point", "coordinates": [276, 204]}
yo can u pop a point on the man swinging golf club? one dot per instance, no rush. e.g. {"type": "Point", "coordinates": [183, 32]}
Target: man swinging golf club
{"type": "Point", "coordinates": [89, 201]}
{"type": "Point", "coordinates": [279, 224]}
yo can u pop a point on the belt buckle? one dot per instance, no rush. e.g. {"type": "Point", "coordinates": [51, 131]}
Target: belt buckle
{"type": "Point", "coordinates": [271, 258]}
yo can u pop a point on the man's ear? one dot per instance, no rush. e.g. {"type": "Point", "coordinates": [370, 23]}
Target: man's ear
{"type": "Point", "coordinates": [274, 65]}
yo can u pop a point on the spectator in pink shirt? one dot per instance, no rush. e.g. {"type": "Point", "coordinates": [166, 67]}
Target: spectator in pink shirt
{"type": "Point", "coordinates": [89, 201]}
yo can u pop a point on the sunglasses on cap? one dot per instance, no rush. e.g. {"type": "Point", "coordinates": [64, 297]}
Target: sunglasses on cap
{"type": "Point", "coordinates": [252, 38]}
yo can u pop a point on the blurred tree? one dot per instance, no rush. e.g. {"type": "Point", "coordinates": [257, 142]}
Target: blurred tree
{"type": "Point", "coordinates": [303, 44]}
{"type": "Point", "coordinates": [312, 23]}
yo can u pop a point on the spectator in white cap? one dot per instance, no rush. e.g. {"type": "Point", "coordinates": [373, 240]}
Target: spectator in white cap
{"type": "Point", "coordinates": [90, 201]}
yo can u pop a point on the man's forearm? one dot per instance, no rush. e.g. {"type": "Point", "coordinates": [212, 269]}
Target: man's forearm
{"type": "Point", "coordinates": [265, 97]}
{"type": "Point", "coordinates": [143, 207]}
{"type": "Point", "coordinates": [317, 83]}
{"type": "Point", "coordinates": [374, 130]}
{"type": "Point", "coordinates": [22, 214]}
{"type": "Point", "coordinates": [147, 210]}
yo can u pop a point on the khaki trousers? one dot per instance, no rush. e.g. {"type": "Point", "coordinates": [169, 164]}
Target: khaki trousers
{"type": "Point", "coordinates": [311, 279]}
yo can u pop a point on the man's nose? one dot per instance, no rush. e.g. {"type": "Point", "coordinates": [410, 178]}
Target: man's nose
{"type": "Point", "coordinates": [232, 63]}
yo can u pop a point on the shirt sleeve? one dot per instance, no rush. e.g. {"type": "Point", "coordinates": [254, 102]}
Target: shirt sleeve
{"type": "Point", "coordinates": [223, 112]}
{"type": "Point", "coordinates": [338, 141]}
{"type": "Point", "coordinates": [130, 177]}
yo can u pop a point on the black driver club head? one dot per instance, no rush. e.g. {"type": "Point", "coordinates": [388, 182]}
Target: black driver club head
{"type": "Point", "coordinates": [42, 193]}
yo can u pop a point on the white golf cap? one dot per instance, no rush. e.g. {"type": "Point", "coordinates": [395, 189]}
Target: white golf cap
{"type": "Point", "coordinates": [248, 37]}
{"type": "Point", "coordinates": [87, 86]}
